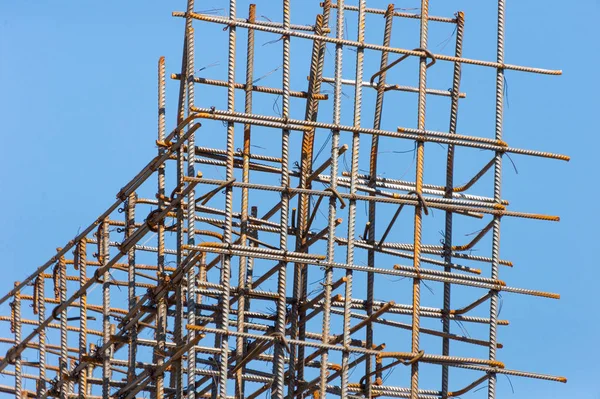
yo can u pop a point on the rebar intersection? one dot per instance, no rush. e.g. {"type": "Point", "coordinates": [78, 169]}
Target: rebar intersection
{"type": "Point", "coordinates": [210, 276]}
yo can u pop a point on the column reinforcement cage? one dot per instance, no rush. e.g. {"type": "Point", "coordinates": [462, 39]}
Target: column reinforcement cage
{"type": "Point", "coordinates": [242, 272]}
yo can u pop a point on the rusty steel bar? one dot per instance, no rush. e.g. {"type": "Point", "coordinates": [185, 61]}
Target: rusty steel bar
{"type": "Point", "coordinates": [420, 160]}
{"type": "Point", "coordinates": [248, 86]}
{"type": "Point", "coordinates": [304, 221]}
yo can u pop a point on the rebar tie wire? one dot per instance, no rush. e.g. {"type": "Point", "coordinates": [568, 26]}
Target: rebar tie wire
{"type": "Point", "coordinates": [398, 361]}
{"type": "Point", "coordinates": [383, 70]}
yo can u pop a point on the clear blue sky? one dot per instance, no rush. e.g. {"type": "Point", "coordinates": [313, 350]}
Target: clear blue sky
{"type": "Point", "coordinates": [78, 103]}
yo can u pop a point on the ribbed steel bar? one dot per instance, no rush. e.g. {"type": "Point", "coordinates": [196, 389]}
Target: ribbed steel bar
{"type": "Point", "coordinates": [372, 182]}
{"type": "Point", "coordinates": [360, 58]}
{"type": "Point", "coordinates": [331, 224]}
{"type": "Point", "coordinates": [303, 223]}
{"type": "Point", "coordinates": [16, 327]}
{"type": "Point", "coordinates": [160, 320]}
{"type": "Point", "coordinates": [131, 277]}
{"type": "Point", "coordinates": [40, 302]}
{"type": "Point", "coordinates": [185, 96]}
{"type": "Point", "coordinates": [243, 305]}
{"type": "Point", "coordinates": [251, 87]}
{"type": "Point", "coordinates": [278, 388]}
{"type": "Point", "coordinates": [176, 380]}
{"type": "Point", "coordinates": [222, 341]}
{"type": "Point", "coordinates": [497, 192]}
{"type": "Point", "coordinates": [460, 23]}
{"type": "Point", "coordinates": [103, 256]}
{"type": "Point", "coordinates": [190, 311]}
{"type": "Point", "coordinates": [420, 160]}
{"type": "Point", "coordinates": [272, 24]}
{"type": "Point", "coordinates": [81, 264]}
{"type": "Point", "coordinates": [61, 267]}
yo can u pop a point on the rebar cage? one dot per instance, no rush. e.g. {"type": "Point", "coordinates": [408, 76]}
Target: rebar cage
{"type": "Point", "coordinates": [271, 250]}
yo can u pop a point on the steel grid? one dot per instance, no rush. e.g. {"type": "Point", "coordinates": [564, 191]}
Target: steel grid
{"type": "Point", "coordinates": [191, 319]}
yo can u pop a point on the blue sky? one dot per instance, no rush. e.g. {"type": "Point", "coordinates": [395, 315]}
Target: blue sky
{"type": "Point", "coordinates": [79, 120]}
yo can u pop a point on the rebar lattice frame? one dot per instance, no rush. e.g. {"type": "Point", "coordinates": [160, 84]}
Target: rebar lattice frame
{"type": "Point", "coordinates": [208, 336]}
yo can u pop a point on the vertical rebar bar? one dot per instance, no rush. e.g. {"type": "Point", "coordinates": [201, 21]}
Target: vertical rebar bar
{"type": "Point", "coordinates": [176, 381]}
{"type": "Point", "coordinates": [387, 36]}
{"type": "Point", "coordinates": [353, 182]}
{"type": "Point", "coordinates": [460, 19]}
{"type": "Point", "coordinates": [90, 369]}
{"type": "Point", "coordinates": [303, 224]}
{"type": "Point", "coordinates": [103, 256]}
{"type": "Point", "coordinates": [64, 366]}
{"type": "Point", "coordinates": [497, 193]}
{"type": "Point", "coordinates": [81, 259]}
{"type": "Point", "coordinates": [41, 308]}
{"type": "Point", "coordinates": [191, 212]}
{"type": "Point", "coordinates": [242, 274]}
{"type": "Point", "coordinates": [161, 317]}
{"type": "Point", "coordinates": [227, 231]}
{"type": "Point", "coordinates": [335, 139]}
{"type": "Point", "coordinates": [131, 275]}
{"type": "Point", "coordinates": [279, 361]}
{"type": "Point", "coordinates": [16, 305]}
{"type": "Point", "coordinates": [416, 322]}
